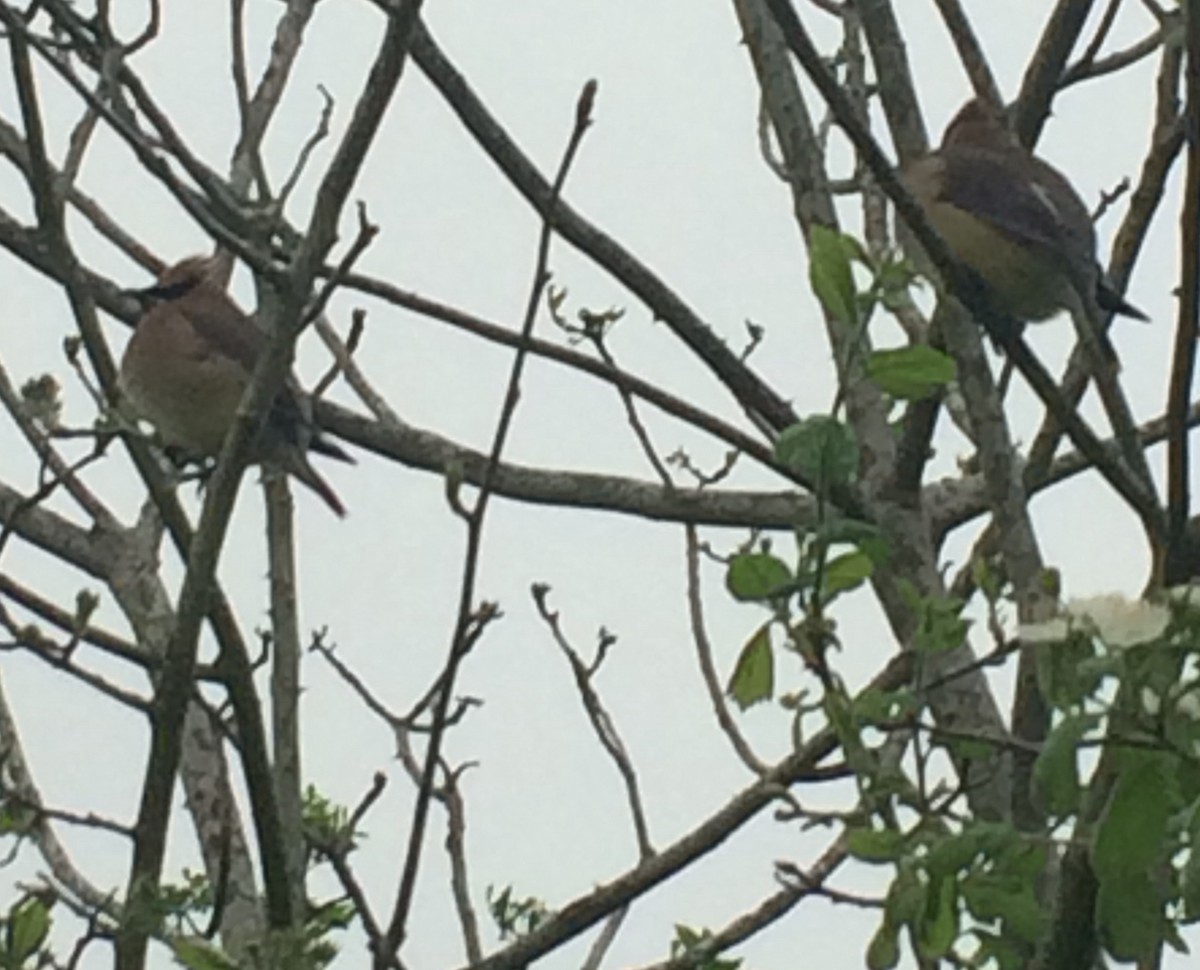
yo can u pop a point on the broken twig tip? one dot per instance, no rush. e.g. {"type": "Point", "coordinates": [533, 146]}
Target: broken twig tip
{"type": "Point", "coordinates": [587, 98]}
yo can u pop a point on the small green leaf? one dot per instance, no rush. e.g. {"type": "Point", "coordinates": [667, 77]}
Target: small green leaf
{"type": "Point", "coordinates": [830, 273]}
{"type": "Point", "coordinates": [883, 952]}
{"type": "Point", "coordinates": [864, 536]}
{"type": "Point", "coordinates": [893, 278]}
{"type": "Point", "coordinates": [1056, 770]}
{"type": "Point", "coordinates": [820, 447]}
{"type": "Point", "coordinates": [998, 951]}
{"type": "Point", "coordinates": [910, 373]}
{"type": "Point", "coordinates": [1130, 912]}
{"type": "Point", "coordinates": [967, 749]}
{"type": "Point", "coordinates": [28, 924]}
{"type": "Point", "coordinates": [939, 624]}
{"type": "Point", "coordinates": [874, 706]}
{"type": "Point", "coordinates": [1189, 782]}
{"type": "Point", "coordinates": [905, 897]}
{"type": "Point", "coordinates": [698, 947]}
{"type": "Point", "coordinates": [876, 845]}
{"type": "Point", "coordinates": [1024, 861]}
{"type": "Point", "coordinates": [1070, 670]}
{"type": "Point", "coordinates": [753, 677]}
{"type": "Point", "coordinates": [1132, 832]}
{"type": "Point", "coordinates": [16, 819]}
{"type": "Point", "coordinates": [196, 953]}
{"type": "Point", "coordinates": [952, 853]}
{"type": "Point", "coordinates": [686, 937]}
{"type": "Point", "coordinates": [989, 580]}
{"type": "Point", "coordinates": [989, 899]}
{"type": "Point", "coordinates": [845, 572]}
{"type": "Point", "coordinates": [938, 927]}
{"type": "Point", "coordinates": [757, 576]}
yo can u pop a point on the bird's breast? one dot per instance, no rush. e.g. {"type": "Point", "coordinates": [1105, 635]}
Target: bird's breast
{"type": "Point", "coordinates": [189, 395]}
{"type": "Point", "coordinates": [1022, 282]}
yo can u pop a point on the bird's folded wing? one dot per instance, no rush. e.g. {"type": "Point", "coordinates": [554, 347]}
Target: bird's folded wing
{"type": "Point", "coordinates": [232, 336]}
{"type": "Point", "coordinates": [996, 188]}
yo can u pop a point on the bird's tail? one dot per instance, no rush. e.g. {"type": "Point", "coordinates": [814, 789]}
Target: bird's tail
{"type": "Point", "coordinates": [297, 465]}
{"type": "Point", "coordinates": [323, 446]}
{"type": "Point", "coordinates": [1110, 300]}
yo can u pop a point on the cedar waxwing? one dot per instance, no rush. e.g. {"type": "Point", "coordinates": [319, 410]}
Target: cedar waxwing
{"type": "Point", "coordinates": [190, 360]}
{"type": "Point", "coordinates": [1013, 219]}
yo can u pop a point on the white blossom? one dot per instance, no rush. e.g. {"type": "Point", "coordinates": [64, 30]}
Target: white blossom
{"type": "Point", "coordinates": [1116, 619]}
{"type": "Point", "coordinates": [1051, 631]}
{"type": "Point", "coordinates": [1120, 621]}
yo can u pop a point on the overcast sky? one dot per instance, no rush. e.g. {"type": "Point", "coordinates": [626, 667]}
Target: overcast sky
{"type": "Point", "coordinates": [672, 169]}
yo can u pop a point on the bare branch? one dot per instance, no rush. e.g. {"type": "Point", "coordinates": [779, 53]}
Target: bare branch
{"type": "Point", "coordinates": [466, 608]}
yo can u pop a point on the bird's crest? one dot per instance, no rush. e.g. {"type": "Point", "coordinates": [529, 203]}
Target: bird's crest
{"type": "Point", "coordinates": [182, 277]}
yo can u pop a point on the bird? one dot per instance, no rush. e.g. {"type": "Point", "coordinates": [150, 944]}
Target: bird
{"type": "Point", "coordinates": [1012, 219]}
{"type": "Point", "coordinates": [188, 363]}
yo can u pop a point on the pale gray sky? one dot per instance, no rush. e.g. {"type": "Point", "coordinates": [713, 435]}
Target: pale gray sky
{"type": "Point", "coordinates": [671, 168]}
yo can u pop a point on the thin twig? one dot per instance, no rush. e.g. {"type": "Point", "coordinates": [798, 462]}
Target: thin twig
{"type": "Point", "coordinates": [346, 353]}
{"type": "Point", "coordinates": [466, 609]}
{"type": "Point", "coordinates": [601, 721]}
{"type": "Point", "coordinates": [705, 659]}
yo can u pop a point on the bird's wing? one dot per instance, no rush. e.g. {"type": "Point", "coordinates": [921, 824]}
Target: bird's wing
{"type": "Point", "coordinates": [1002, 189]}
{"type": "Point", "coordinates": [223, 330]}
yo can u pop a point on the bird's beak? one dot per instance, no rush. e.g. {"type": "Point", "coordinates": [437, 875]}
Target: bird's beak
{"type": "Point", "coordinates": [144, 298]}
{"type": "Point", "coordinates": [157, 291]}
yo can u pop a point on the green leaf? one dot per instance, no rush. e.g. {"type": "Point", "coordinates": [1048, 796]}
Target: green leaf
{"type": "Point", "coordinates": [893, 278]}
{"type": "Point", "coordinates": [686, 937]}
{"type": "Point", "coordinates": [995, 950]}
{"type": "Point", "coordinates": [953, 853]}
{"type": "Point", "coordinates": [1191, 870]}
{"type": "Point", "coordinates": [821, 448]}
{"type": "Point", "coordinates": [853, 532]}
{"type": "Point", "coordinates": [989, 899]}
{"type": "Point", "coordinates": [1172, 938]}
{"type": "Point", "coordinates": [757, 576]}
{"type": "Point", "coordinates": [883, 952]}
{"type": "Point", "coordinates": [862, 761]}
{"type": "Point", "coordinates": [1130, 912]}
{"type": "Point", "coordinates": [28, 924]}
{"type": "Point", "coordinates": [196, 953]}
{"type": "Point", "coordinates": [1066, 670]}
{"type": "Point", "coordinates": [905, 897]}
{"type": "Point", "coordinates": [1023, 861]}
{"type": "Point", "coordinates": [693, 944]}
{"type": "Point", "coordinates": [989, 580]}
{"type": "Point", "coordinates": [845, 572]}
{"type": "Point", "coordinates": [862, 535]}
{"type": "Point", "coordinates": [938, 928]}
{"type": "Point", "coordinates": [16, 819]}
{"type": "Point", "coordinates": [753, 677]}
{"type": "Point", "coordinates": [910, 373]}
{"type": "Point", "coordinates": [830, 273]}
{"type": "Point", "coordinates": [874, 706]}
{"type": "Point", "coordinates": [1132, 834]}
{"type": "Point", "coordinates": [1056, 770]}
{"type": "Point", "coordinates": [997, 839]}
{"type": "Point", "coordinates": [939, 623]}
{"type": "Point", "coordinates": [967, 748]}
{"type": "Point", "coordinates": [876, 845]}
{"type": "Point", "coordinates": [1189, 781]}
